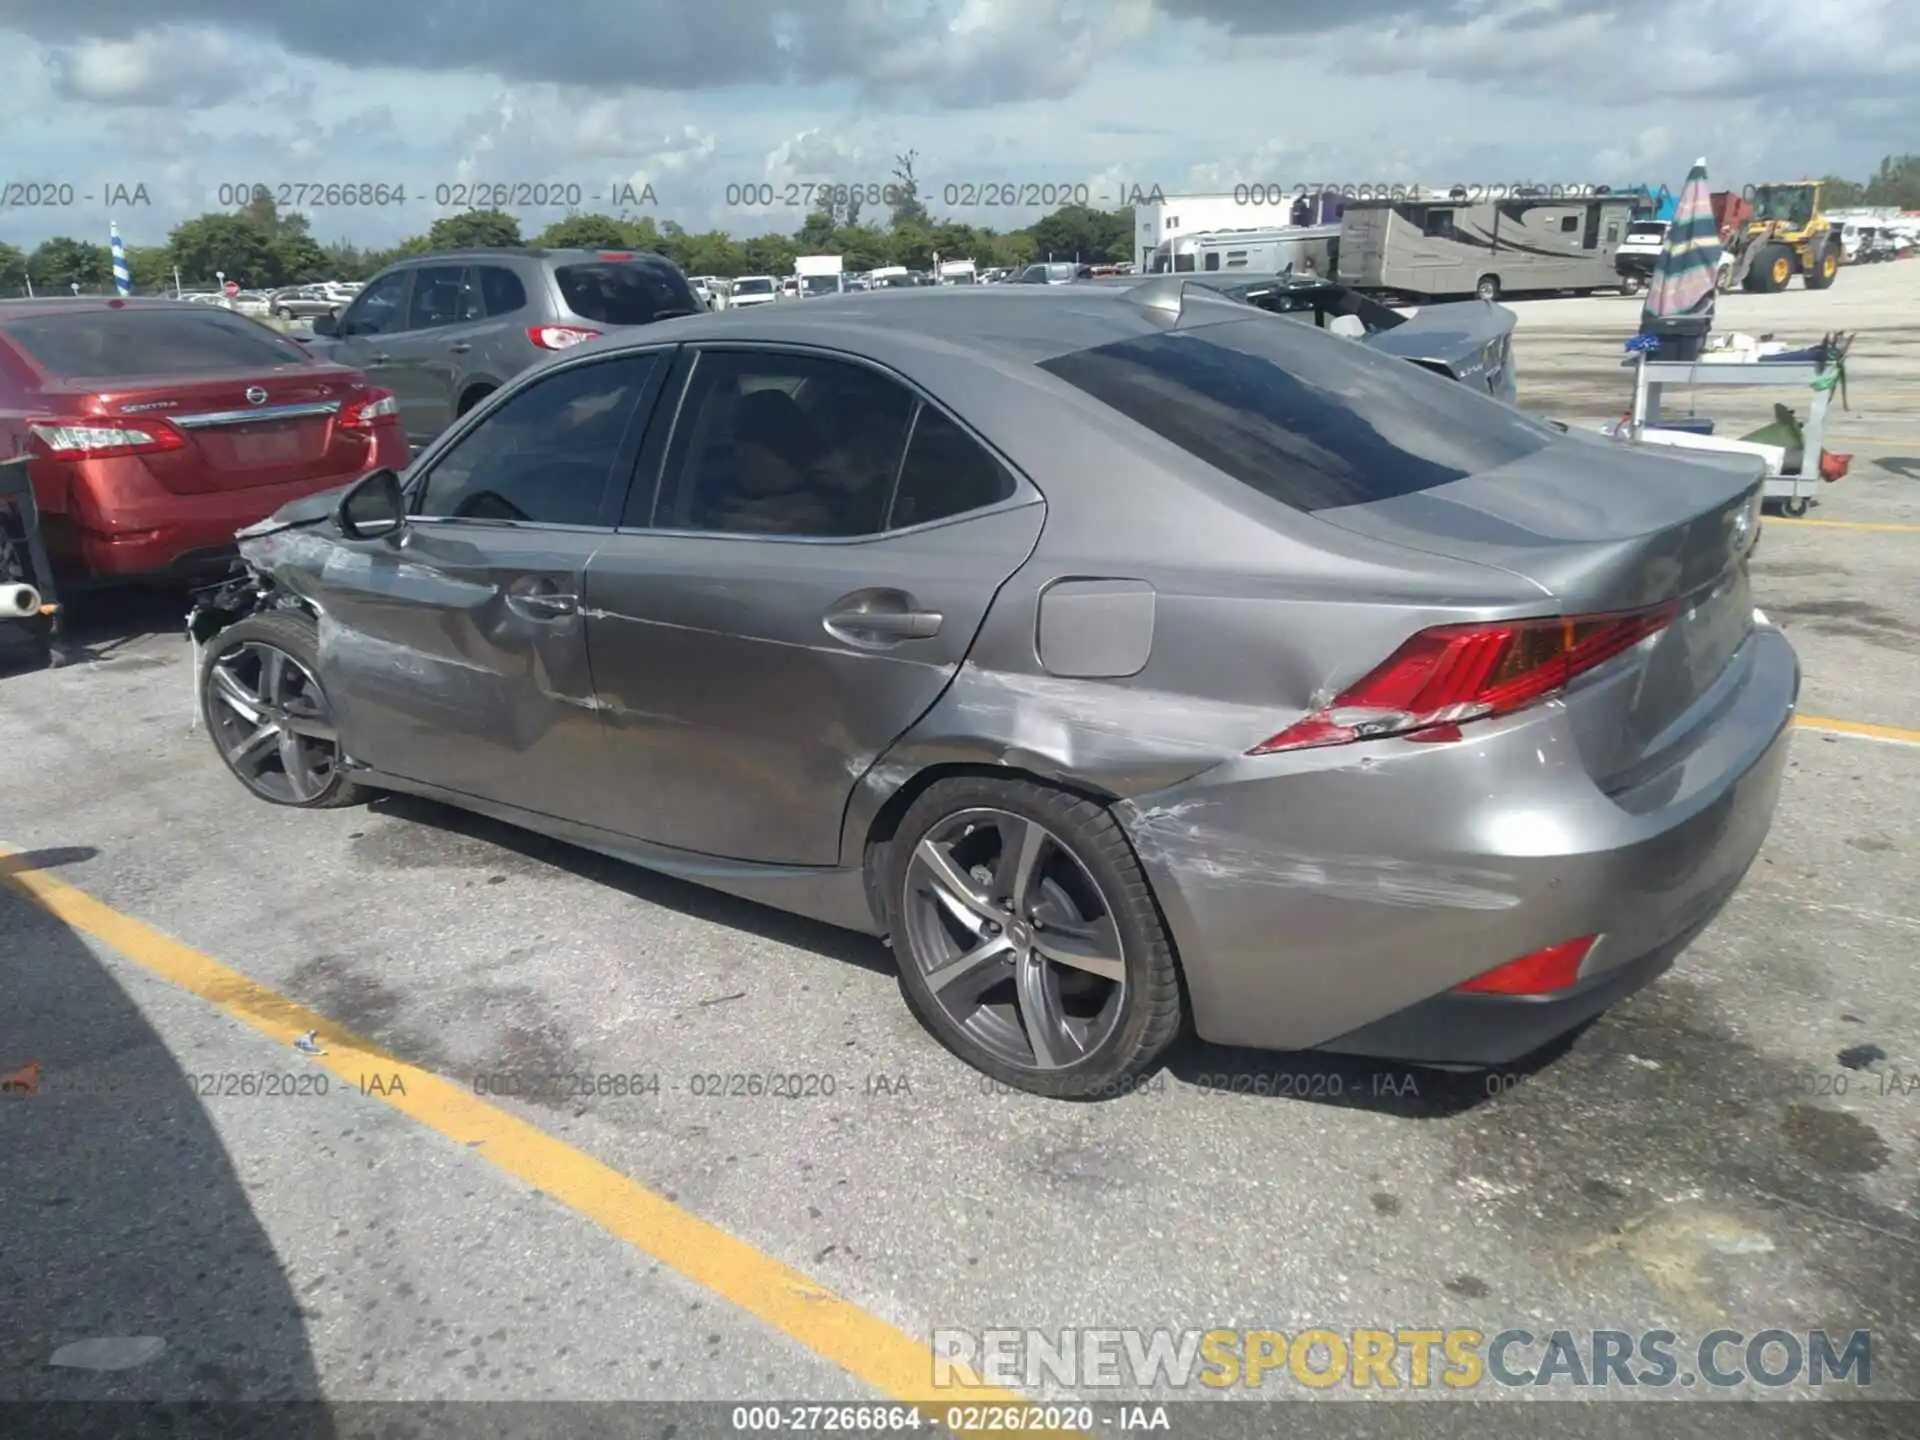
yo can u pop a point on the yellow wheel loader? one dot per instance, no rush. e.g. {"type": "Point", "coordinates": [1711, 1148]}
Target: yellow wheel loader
{"type": "Point", "coordinates": [1788, 234]}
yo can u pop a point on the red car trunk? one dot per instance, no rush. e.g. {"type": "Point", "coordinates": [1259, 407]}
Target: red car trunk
{"type": "Point", "coordinates": [237, 431]}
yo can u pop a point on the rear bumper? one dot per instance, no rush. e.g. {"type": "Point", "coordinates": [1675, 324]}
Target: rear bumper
{"type": "Point", "coordinates": [160, 535]}
{"type": "Point", "coordinates": [1641, 266]}
{"type": "Point", "coordinates": [1334, 898]}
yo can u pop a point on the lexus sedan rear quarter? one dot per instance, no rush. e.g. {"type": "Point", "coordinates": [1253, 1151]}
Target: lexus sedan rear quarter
{"type": "Point", "coordinates": [1126, 657]}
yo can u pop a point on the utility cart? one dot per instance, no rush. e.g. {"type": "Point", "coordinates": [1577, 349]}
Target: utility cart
{"type": "Point", "coordinates": [1793, 487]}
{"type": "Point", "coordinates": [29, 606]}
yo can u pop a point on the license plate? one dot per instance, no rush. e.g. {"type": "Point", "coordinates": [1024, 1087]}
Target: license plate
{"type": "Point", "coordinates": [264, 447]}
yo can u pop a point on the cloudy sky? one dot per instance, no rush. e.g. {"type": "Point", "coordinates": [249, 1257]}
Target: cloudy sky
{"type": "Point", "coordinates": [699, 98]}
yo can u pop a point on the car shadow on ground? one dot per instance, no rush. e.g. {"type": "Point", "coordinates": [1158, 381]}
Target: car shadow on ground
{"type": "Point", "coordinates": [694, 901]}
{"type": "Point", "coordinates": [128, 1230]}
{"type": "Point", "coordinates": [1345, 1082]}
{"type": "Point", "coordinates": [1907, 467]}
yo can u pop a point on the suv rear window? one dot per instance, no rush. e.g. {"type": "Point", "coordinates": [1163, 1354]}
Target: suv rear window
{"type": "Point", "coordinates": [1310, 420]}
{"type": "Point", "coordinates": [618, 293]}
{"type": "Point", "coordinates": [190, 340]}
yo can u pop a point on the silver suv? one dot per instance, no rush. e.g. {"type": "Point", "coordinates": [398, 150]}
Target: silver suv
{"type": "Point", "coordinates": [441, 331]}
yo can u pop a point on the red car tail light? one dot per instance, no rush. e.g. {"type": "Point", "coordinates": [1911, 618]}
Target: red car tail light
{"type": "Point", "coordinates": [362, 414]}
{"type": "Point", "coordinates": [95, 438]}
{"type": "Point", "coordinates": [616, 255]}
{"type": "Point", "coordinates": [1542, 973]}
{"type": "Point", "coordinates": [559, 337]}
{"type": "Point", "coordinates": [1450, 674]}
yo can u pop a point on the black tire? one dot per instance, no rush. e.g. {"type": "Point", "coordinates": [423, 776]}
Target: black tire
{"type": "Point", "coordinates": [299, 714]}
{"type": "Point", "coordinates": [1823, 265]}
{"type": "Point", "coordinates": [1147, 1012]}
{"type": "Point", "coordinates": [1629, 284]}
{"type": "Point", "coordinates": [1766, 268]}
{"type": "Point", "coordinates": [283, 313]}
{"type": "Point", "coordinates": [1487, 287]}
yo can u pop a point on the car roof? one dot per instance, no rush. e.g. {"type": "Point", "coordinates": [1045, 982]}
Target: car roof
{"type": "Point", "coordinates": [1019, 324]}
{"type": "Point", "coordinates": [574, 256]}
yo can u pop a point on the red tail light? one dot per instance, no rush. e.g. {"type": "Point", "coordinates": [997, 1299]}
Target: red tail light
{"type": "Point", "coordinates": [1448, 675]}
{"type": "Point", "coordinates": [1542, 973]}
{"type": "Point", "coordinates": [89, 437]}
{"type": "Point", "coordinates": [616, 254]}
{"type": "Point", "coordinates": [364, 414]}
{"type": "Point", "coordinates": [559, 337]}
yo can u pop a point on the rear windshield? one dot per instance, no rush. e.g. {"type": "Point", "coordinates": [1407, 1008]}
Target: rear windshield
{"type": "Point", "coordinates": [619, 293]}
{"type": "Point", "coordinates": [752, 287]}
{"type": "Point", "coordinates": [1311, 420]}
{"type": "Point", "coordinates": [190, 340]}
{"type": "Point", "coordinates": [1646, 227]}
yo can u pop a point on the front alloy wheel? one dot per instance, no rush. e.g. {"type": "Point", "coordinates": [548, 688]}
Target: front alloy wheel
{"type": "Point", "coordinates": [273, 724]}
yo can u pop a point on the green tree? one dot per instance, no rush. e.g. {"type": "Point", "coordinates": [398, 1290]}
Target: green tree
{"type": "Point", "coordinates": [1897, 182]}
{"type": "Point", "coordinates": [768, 255]}
{"type": "Point", "coordinates": [261, 210]}
{"type": "Point", "coordinates": [13, 269]}
{"type": "Point", "coordinates": [714, 253]}
{"type": "Point", "coordinates": [475, 230]}
{"type": "Point", "coordinates": [815, 235]}
{"type": "Point", "coordinates": [151, 269]}
{"type": "Point", "coordinates": [909, 211]}
{"type": "Point", "coordinates": [1079, 232]}
{"type": "Point", "coordinates": [231, 244]}
{"type": "Point", "coordinates": [298, 258]}
{"type": "Point", "coordinates": [62, 261]}
{"type": "Point", "coordinates": [584, 232]}
{"type": "Point", "coordinates": [865, 246]}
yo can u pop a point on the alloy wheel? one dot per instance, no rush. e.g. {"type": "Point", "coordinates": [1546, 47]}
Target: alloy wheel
{"type": "Point", "coordinates": [272, 722]}
{"type": "Point", "coordinates": [1011, 935]}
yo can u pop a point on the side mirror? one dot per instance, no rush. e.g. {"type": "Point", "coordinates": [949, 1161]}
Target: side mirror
{"type": "Point", "coordinates": [328, 324]}
{"type": "Point", "coordinates": [375, 506]}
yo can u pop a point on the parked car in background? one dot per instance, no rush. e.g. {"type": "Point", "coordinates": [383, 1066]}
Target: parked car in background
{"type": "Point", "coordinates": [1053, 272]}
{"type": "Point", "coordinates": [753, 290]}
{"type": "Point", "coordinates": [157, 429]}
{"type": "Point", "coordinates": [305, 302]}
{"type": "Point", "coordinates": [1640, 252]}
{"type": "Point", "coordinates": [1470, 341]}
{"type": "Point", "coordinates": [1123, 655]}
{"type": "Point", "coordinates": [443, 331]}
{"type": "Point", "coordinates": [255, 303]}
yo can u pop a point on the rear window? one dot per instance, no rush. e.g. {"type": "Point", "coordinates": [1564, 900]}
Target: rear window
{"type": "Point", "coordinates": [1312, 421]}
{"type": "Point", "coordinates": [1646, 227]}
{"type": "Point", "coordinates": [617, 293]}
{"type": "Point", "coordinates": [752, 287]}
{"type": "Point", "coordinates": [190, 340]}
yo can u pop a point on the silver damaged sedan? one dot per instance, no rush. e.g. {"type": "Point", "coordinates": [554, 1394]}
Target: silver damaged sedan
{"type": "Point", "coordinates": [1128, 657]}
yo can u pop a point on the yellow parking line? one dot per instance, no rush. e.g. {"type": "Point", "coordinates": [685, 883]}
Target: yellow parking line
{"type": "Point", "coordinates": [1848, 524]}
{"type": "Point", "coordinates": [1859, 729]}
{"type": "Point", "coordinates": [832, 1327]}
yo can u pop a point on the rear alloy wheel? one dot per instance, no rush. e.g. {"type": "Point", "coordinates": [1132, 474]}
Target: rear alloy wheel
{"type": "Point", "coordinates": [268, 715]}
{"type": "Point", "coordinates": [1028, 939]}
{"type": "Point", "coordinates": [1629, 284]}
{"type": "Point", "coordinates": [1488, 288]}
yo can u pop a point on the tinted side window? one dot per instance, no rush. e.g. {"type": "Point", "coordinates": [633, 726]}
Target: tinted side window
{"type": "Point", "coordinates": [377, 309]}
{"type": "Point", "coordinates": [1306, 419]}
{"type": "Point", "coordinates": [501, 290]}
{"type": "Point", "coordinates": [545, 456]}
{"type": "Point", "coordinates": [778, 444]}
{"type": "Point", "coordinates": [947, 472]}
{"type": "Point", "coordinates": [443, 295]}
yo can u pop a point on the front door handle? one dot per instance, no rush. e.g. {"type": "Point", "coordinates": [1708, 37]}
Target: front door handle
{"type": "Point", "coordinates": [379, 359]}
{"type": "Point", "coordinates": [886, 624]}
{"type": "Point", "coordinates": [538, 598]}
{"type": "Point", "coordinates": [460, 349]}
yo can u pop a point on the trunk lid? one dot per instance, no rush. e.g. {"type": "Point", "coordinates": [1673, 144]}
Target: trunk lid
{"type": "Point", "coordinates": [1604, 526]}
{"type": "Point", "coordinates": [242, 430]}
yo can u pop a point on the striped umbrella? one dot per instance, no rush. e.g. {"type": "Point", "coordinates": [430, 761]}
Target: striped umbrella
{"type": "Point", "coordinates": [122, 276]}
{"type": "Point", "coordinates": [1683, 277]}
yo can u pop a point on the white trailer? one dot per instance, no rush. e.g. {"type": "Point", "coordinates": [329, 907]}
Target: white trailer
{"type": "Point", "coordinates": [958, 272]}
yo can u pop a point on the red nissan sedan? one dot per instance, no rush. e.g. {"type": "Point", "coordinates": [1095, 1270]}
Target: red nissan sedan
{"type": "Point", "coordinates": [155, 429]}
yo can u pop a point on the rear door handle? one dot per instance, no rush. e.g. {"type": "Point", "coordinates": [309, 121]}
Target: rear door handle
{"type": "Point", "coordinates": [462, 348]}
{"type": "Point", "coordinates": [887, 624]}
{"type": "Point", "coordinates": [379, 359]}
